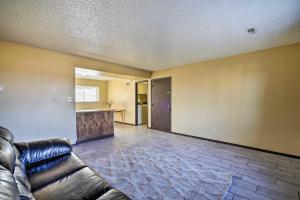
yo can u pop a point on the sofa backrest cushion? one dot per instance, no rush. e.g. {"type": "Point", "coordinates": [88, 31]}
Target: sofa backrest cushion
{"type": "Point", "coordinates": [7, 155]}
{"type": "Point", "coordinates": [37, 151]}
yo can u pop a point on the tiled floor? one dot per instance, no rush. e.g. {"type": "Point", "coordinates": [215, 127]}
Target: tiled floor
{"type": "Point", "coordinates": [258, 175]}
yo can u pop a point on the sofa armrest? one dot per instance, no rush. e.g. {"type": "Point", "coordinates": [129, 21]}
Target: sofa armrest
{"type": "Point", "coordinates": [37, 151]}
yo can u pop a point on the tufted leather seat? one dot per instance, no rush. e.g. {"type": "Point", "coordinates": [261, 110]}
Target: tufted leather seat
{"type": "Point", "coordinates": [47, 170]}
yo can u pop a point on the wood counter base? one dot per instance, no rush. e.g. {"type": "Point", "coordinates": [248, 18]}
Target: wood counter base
{"type": "Point", "coordinates": [91, 125]}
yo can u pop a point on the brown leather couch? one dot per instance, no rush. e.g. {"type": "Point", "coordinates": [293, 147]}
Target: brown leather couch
{"type": "Point", "coordinates": [47, 170]}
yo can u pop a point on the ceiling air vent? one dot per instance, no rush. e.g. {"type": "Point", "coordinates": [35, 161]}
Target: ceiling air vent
{"type": "Point", "coordinates": [251, 30]}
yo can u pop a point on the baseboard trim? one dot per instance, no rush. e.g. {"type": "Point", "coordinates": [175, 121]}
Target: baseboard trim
{"type": "Point", "coordinates": [95, 138]}
{"type": "Point", "coordinates": [237, 145]}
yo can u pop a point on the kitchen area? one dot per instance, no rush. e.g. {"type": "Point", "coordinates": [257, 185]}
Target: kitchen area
{"type": "Point", "coordinates": [103, 99]}
{"type": "Point", "coordinates": [142, 102]}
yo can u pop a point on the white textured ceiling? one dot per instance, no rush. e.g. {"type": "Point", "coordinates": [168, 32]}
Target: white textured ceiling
{"type": "Point", "coordinates": [151, 34]}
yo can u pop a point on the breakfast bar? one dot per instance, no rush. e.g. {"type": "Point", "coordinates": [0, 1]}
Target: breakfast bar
{"type": "Point", "coordinates": [94, 124]}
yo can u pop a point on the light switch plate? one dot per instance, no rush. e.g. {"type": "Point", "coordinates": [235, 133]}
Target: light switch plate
{"type": "Point", "coordinates": [69, 99]}
{"type": "Point", "coordinates": [1, 88]}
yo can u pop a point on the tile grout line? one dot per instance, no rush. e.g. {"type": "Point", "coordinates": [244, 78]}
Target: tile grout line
{"type": "Point", "coordinates": [233, 196]}
{"type": "Point", "coordinates": [256, 186]}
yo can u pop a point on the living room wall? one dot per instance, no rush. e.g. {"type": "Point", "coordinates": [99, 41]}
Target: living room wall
{"type": "Point", "coordinates": [251, 99]}
{"type": "Point", "coordinates": [36, 86]}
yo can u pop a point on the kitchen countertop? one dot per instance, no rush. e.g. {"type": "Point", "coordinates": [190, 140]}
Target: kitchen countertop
{"type": "Point", "coordinates": [94, 110]}
{"type": "Point", "coordinates": [101, 110]}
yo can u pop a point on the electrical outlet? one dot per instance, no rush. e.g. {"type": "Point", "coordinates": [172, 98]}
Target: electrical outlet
{"type": "Point", "coordinates": [214, 129]}
{"type": "Point", "coordinates": [1, 88]}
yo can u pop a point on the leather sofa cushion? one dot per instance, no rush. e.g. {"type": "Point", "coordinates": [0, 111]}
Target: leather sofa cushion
{"type": "Point", "coordinates": [8, 186]}
{"type": "Point", "coordinates": [82, 185]}
{"type": "Point", "coordinates": [6, 135]}
{"type": "Point", "coordinates": [113, 194]}
{"type": "Point", "coordinates": [20, 174]}
{"type": "Point", "coordinates": [7, 155]}
{"type": "Point", "coordinates": [22, 181]}
{"type": "Point", "coordinates": [23, 190]}
{"type": "Point", "coordinates": [46, 172]}
{"type": "Point", "coordinates": [37, 151]}
{"type": "Point", "coordinates": [21, 178]}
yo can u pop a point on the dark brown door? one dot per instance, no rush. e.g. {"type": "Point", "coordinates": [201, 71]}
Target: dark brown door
{"type": "Point", "coordinates": [161, 104]}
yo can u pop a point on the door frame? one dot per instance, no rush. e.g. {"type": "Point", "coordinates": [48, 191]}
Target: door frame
{"type": "Point", "coordinates": [136, 100]}
{"type": "Point", "coordinates": [171, 106]}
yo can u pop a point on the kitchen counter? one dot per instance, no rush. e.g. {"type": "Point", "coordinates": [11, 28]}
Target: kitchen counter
{"type": "Point", "coordinates": [94, 124]}
{"type": "Point", "coordinates": [93, 110]}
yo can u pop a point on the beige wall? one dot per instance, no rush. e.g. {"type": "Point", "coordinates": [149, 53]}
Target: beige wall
{"type": "Point", "coordinates": [102, 104]}
{"type": "Point", "coordinates": [122, 93]}
{"type": "Point", "coordinates": [251, 99]}
{"type": "Point", "coordinates": [37, 84]}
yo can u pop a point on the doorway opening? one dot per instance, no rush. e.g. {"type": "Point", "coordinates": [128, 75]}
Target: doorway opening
{"type": "Point", "coordinates": [141, 102]}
